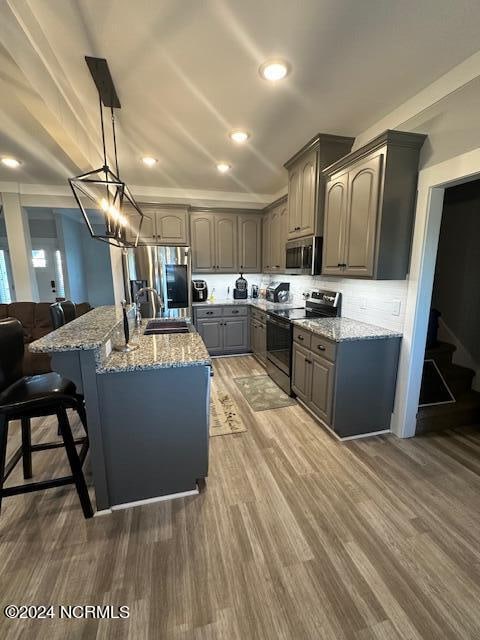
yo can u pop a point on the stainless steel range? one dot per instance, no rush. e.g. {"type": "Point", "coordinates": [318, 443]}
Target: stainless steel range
{"type": "Point", "coordinates": [323, 304]}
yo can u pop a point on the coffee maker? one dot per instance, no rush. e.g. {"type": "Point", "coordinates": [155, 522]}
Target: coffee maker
{"type": "Point", "coordinates": [241, 288]}
{"type": "Point", "coordinates": [199, 291]}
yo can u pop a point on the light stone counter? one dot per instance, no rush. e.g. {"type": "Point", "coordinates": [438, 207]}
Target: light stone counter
{"type": "Point", "coordinates": [158, 352]}
{"type": "Point", "coordinates": [345, 329]}
{"type": "Point", "coordinates": [89, 331]}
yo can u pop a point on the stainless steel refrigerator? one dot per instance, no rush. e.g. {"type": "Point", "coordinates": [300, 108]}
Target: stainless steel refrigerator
{"type": "Point", "coordinates": [166, 270]}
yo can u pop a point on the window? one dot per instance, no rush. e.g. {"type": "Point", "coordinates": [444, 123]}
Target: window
{"type": "Point", "coordinates": [59, 274]}
{"type": "Point", "coordinates": [39, 258]}
{"type": "Point", "coordinates": [5, 293]}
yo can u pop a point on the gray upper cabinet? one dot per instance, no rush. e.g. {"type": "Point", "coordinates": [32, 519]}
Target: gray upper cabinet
{"type": "Point", "coordinates": [369, 208]}
{"type": "Point", "coordinates": [165, 225]}
{"type": "Point", "coordinates": [226, 243]}
{"type": "Point", "coordinates": [306, 183]}
{"type": "Point", "coordinates": [266, 243]}
{"type": "Point", "coordinates": [172, 226]}
{"type": "Point", "coordinates": [221, 242]}
{"type": "Point", "coordinates": [202, 226]}
{"type": "Point", "coordinates": [250, 243]}
{"type": "Point", "coordinates": [275, 232]}
{"type": "Point", "coordinates": [334, 230]}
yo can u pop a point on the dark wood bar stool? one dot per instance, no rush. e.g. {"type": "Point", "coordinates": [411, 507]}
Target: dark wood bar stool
{"type": "Point", "coordinates": [26, 397]}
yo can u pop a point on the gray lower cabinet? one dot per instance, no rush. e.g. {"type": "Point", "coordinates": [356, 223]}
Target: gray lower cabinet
{"type": "Point", "coordinates": [258, 335]}
{"type": "Point", "coordinates": [212, 334]}
{"type": "Point", "coordinates": [225, 331]}
{"type": "Point", "coordinates": [349, 385]}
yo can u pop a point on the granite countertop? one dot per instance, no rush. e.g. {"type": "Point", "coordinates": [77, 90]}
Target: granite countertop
{"type": "Point", "coordinates": [345, 329]}
{"type": "Point", "coordinates": [89, 331]}
{"type": "Point", "coordinates": [259, 303]}
{"type": "Point", "coordinates": [157, 352]}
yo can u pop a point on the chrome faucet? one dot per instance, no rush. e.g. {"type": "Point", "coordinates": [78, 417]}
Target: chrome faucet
{"type": "Point", "coordinates": [138, 315]}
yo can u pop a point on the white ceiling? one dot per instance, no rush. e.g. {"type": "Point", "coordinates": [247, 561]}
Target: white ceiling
{"type": "Point", "coordinates": [186, 73]}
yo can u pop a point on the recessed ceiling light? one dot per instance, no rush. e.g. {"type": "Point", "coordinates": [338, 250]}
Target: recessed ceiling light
{"type": "Point", "coordinates": [223, 167]}
{"type": "Point", "coordinates": [12, 163]}
{"type": "Point", "coordinates": [149, 161]}
{"type": "Point", "coordinates": [274, 70]}
{"type": "Point", "coordinates": [239, 136]}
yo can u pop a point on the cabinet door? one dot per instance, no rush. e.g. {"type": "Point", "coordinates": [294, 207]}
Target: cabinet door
{"type": "Point", "coordinates": [203, 242]}
{"type": "Point", "coordinates": [334, 225]}
{"type": "Point", "coordinates": [147, 231]}
{"type": "Point", "coordinates": [275, 239]}
{"type": "Point", "coordinates": [266, 227]}
{"type": "Point", "coordinates": [301, 372]}
{"type": "Point", "coordinates": [171, 227]}
{"type": "Point", "coordinates": [250, 243]}
{"type": "Point", "coordinates": [253, 335]}
{"type": "Point", "coordinates": [283, 223]}
{"type": "Point", "coordinates": [235, 335]}
{"type": "Point", "coordinates": [321, 389]}
{"type": "Point", "coordinates": [294, 201]}
{"type": "Point", "coordinates": [226, 241]}
{"type": "Point", "coordinates": [211, 332]}
{"type": "Point", "coordinates": [308, 198]}
{"type": "Point", "coordinates": [262, 341]}
{"type": "Point", "coordinates": [362, 215]}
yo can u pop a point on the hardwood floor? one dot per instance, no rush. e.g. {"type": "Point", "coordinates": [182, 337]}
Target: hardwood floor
{"type": "Point", "coordinates": [296, 537]}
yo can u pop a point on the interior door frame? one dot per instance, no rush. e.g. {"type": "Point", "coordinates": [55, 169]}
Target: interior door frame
{"type": "Point", "coordinates": [432, 182]}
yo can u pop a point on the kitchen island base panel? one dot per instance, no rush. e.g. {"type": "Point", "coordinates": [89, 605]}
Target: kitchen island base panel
{"type": "Point", "coordinates": [141, 503]}
{"type": "Point", "coordinates": [154, 427]}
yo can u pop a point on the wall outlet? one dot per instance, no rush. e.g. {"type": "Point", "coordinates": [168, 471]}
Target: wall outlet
{"type": "Point", "coordinates": [396, 305]}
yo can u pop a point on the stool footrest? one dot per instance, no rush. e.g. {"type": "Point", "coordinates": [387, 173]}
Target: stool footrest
{"type": "Point", "coordinates": [37, 486]}
{"type": "Point", "coordinates": [55, 445]}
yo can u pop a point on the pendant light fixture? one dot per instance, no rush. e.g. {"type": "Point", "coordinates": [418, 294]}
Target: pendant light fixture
{"type": "Point", "coordinates": [108, 207]}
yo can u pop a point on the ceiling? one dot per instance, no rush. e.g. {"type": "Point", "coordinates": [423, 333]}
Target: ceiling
{"type": "Point", "coordinates": [187, 72]}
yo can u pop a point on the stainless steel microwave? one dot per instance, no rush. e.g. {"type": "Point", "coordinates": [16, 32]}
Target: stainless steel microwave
{"type": "Point", "coordinates": [304, 256]}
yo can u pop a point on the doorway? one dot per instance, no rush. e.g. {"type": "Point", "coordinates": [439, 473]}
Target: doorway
{"type": "Point", "coordinates": [449, 394]}
{"type": "Point", "coordinates": [432, 182]}
{"type": "Point", "coordinates": [48, 268]}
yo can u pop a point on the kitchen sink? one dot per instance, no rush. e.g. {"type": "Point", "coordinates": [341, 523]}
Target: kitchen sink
{"type": "Point", "coordinates": [156, 327]}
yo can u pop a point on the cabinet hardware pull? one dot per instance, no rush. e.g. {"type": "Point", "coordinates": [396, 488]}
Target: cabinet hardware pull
{"type": "Point", "coordinates": [300, 338]}
{"type": "Point", "coordinates": [308, 361]}
{"type": "Point", "coordinates": [235, 311]}
{"type": "Point", "coordinates": [321, 347]}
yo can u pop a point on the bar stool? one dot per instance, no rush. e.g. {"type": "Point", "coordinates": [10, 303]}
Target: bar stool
{"type": "Point", "coordinates": [57, 315]}
{"type": "Point", "coordinates": [68, 308]}
{"type": "Point", "coordinates": [26, 397]}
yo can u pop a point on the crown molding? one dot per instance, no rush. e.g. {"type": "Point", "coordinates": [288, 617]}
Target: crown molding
{"type": "Point", "coordinates": [41, 195]}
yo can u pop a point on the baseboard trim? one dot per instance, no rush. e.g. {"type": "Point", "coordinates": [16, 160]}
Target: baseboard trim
{"type": "Point", "coordinates": [139, 503]}
{"type": "Point", "coordinates": [332, 432]}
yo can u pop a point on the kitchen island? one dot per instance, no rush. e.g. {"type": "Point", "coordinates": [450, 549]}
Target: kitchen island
{"type": "Point", "coordinates": [147, 410]}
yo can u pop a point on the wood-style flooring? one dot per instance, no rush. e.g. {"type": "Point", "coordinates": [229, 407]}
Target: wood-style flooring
{"type": "Point", "coordinates": [296, 537]}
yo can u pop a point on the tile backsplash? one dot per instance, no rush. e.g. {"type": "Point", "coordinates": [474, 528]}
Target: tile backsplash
{"type": "Point", "coordinates": [380, 302]}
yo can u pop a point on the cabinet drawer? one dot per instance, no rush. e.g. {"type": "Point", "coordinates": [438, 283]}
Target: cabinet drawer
{"type": "Point", "coordinates": [210, 312]}
{"type": "Point", "coordinates": [258, 314]}
{"type": "Point", "coordinates": [323, 347]}
{"type": "Point", "coordinates": [234, 311]}
{"type": "Point", "coordinates": [302, 337]}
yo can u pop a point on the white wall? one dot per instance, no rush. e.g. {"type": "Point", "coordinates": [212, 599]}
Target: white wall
{"type": "Point", "coordinates": [377, 302]}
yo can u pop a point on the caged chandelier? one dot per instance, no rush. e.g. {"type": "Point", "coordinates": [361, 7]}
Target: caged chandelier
{"type": "Point", "coordinates": [109, 209]}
